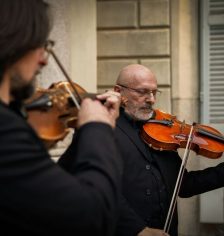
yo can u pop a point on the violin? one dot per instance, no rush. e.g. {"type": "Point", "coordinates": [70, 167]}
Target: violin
{"type": "Point", "coordinates": [166, 132]}
{"type": "Point", "coordinates": [52, 113]}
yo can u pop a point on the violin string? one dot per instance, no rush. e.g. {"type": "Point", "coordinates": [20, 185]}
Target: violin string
{"type": "Point", "coordinates": [178, 182]}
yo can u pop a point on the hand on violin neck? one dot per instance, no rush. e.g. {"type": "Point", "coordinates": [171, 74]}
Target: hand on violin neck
{"type": "Point", "coordinates": [152, 232]}
{"type": "Point", "coordinates": [112, 101]}
{"type": "Point", "coordinates": [95, 111]}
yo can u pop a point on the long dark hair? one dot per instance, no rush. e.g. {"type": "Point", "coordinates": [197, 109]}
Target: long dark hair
{"type": "Point", "coordinates": [24, 25]}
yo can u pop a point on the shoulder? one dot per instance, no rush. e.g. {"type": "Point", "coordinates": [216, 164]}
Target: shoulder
{"type": "Point", "coordinates": [9, 118]}
{"type": "Point", "coordinates": [15, 128]}
{"type": "Point", "coordinates": [18, 138]}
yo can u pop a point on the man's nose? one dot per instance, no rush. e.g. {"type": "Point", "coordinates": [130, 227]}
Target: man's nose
{"type": "Point", "coordinates": [44, 57]}
{"type": "Point", "coordinates": [43, 61]}
{"type": "Point", "coordinates": [150, 98]}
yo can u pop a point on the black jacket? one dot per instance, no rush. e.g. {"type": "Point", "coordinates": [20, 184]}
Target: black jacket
{"type": "Point", "coordinates": [134, 203]}
{"type": "Point", "coordinates": [38, 197]}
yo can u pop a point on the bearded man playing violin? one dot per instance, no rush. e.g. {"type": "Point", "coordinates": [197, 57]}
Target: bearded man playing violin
{"type": "Point", "coordinates": [37, 195]}
{"type": "Point", "coordinates": [150, 175]}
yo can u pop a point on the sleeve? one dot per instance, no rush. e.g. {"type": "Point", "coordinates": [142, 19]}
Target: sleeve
{"type": "Point", "coordinates": [201, 181]}
{"type": "Point", "coordinates": [37, 195]}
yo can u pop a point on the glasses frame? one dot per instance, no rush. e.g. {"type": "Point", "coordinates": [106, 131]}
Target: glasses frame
{"type": "Point", "coordinates": [48, 45]}
{"type": "Point", "coordinates": [142, 92]}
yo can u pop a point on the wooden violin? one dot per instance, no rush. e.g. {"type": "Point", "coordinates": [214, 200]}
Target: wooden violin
{"type": "Point", "coordinates": [166, 132]}
{"type": "Point", "coordinates": [51, 112]}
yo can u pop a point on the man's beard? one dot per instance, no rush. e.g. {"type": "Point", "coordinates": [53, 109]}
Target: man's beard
{"type": "Point", "coordinates": [137, 113]}
{"type": "Point", "coordinates": [21, 90]}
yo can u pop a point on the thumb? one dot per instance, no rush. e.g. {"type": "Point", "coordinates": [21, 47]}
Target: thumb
{"type": "Point", "coordinates": [124, 101]}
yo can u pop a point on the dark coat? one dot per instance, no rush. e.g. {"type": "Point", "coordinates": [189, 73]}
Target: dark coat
{"type": "Point", "coordinates": [38, 197]}
{"type": "Point", "coordinates": [134, 204]}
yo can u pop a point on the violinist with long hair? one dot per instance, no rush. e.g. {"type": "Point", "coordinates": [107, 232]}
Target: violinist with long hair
{"type": "Point", "coordinates": [37, 195]}
{"type": "Point", "coordinates": [150, 175]}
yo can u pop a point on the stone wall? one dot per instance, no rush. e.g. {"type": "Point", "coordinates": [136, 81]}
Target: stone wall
{"type": "Point", "coordinates": [136, 31]}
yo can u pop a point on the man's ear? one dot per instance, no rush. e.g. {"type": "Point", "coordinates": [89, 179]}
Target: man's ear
{"type": "Point", "coordinates": [124, 100]}
{"type": "Point", "coordinates": [117, 88]}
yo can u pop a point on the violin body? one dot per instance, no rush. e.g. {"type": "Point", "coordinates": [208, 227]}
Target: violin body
{"type": "Point", "coordinates": [165, 132]}
{"type": "Point", "coordinates": [51, 112]}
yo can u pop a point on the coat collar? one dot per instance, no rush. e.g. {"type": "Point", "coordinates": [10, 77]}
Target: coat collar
{"type": "Point", "coordinates": [164, 164]}
{"type": "Point", "coordinates": [128, 126]}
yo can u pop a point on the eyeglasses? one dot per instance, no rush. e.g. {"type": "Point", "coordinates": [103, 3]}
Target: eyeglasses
{"type": "Point", "coordinates": [49, 44]}
{"type": "Point", "coordinates": [143, 92]}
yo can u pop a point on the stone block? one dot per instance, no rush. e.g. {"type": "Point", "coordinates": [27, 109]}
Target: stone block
{"type": "Point", "coordinates": [134, 43]}
{"type": "Point", "coordinates": [186, 109]}
{"type": "Point", "coordinates": [154, 13]}
{"type": "Point", "coordinates": [163, 101]}
{"type": "Point", "coordinates": [117, 0]}
{"type": "Point", "coordinates": [116, 14]}
{"type": "Point", "coordinates": [160, 67]}
{"type": "Point", "coordinates": [108, 70]}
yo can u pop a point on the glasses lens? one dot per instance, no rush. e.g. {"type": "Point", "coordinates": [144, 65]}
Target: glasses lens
{"type": "Point", "coordinates": [143, 92]}
{"type": "Point", "coordinates": [155, 92]}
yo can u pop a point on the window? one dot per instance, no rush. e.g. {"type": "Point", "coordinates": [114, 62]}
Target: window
{"type": "Point", "coordinates": [212, 93]}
